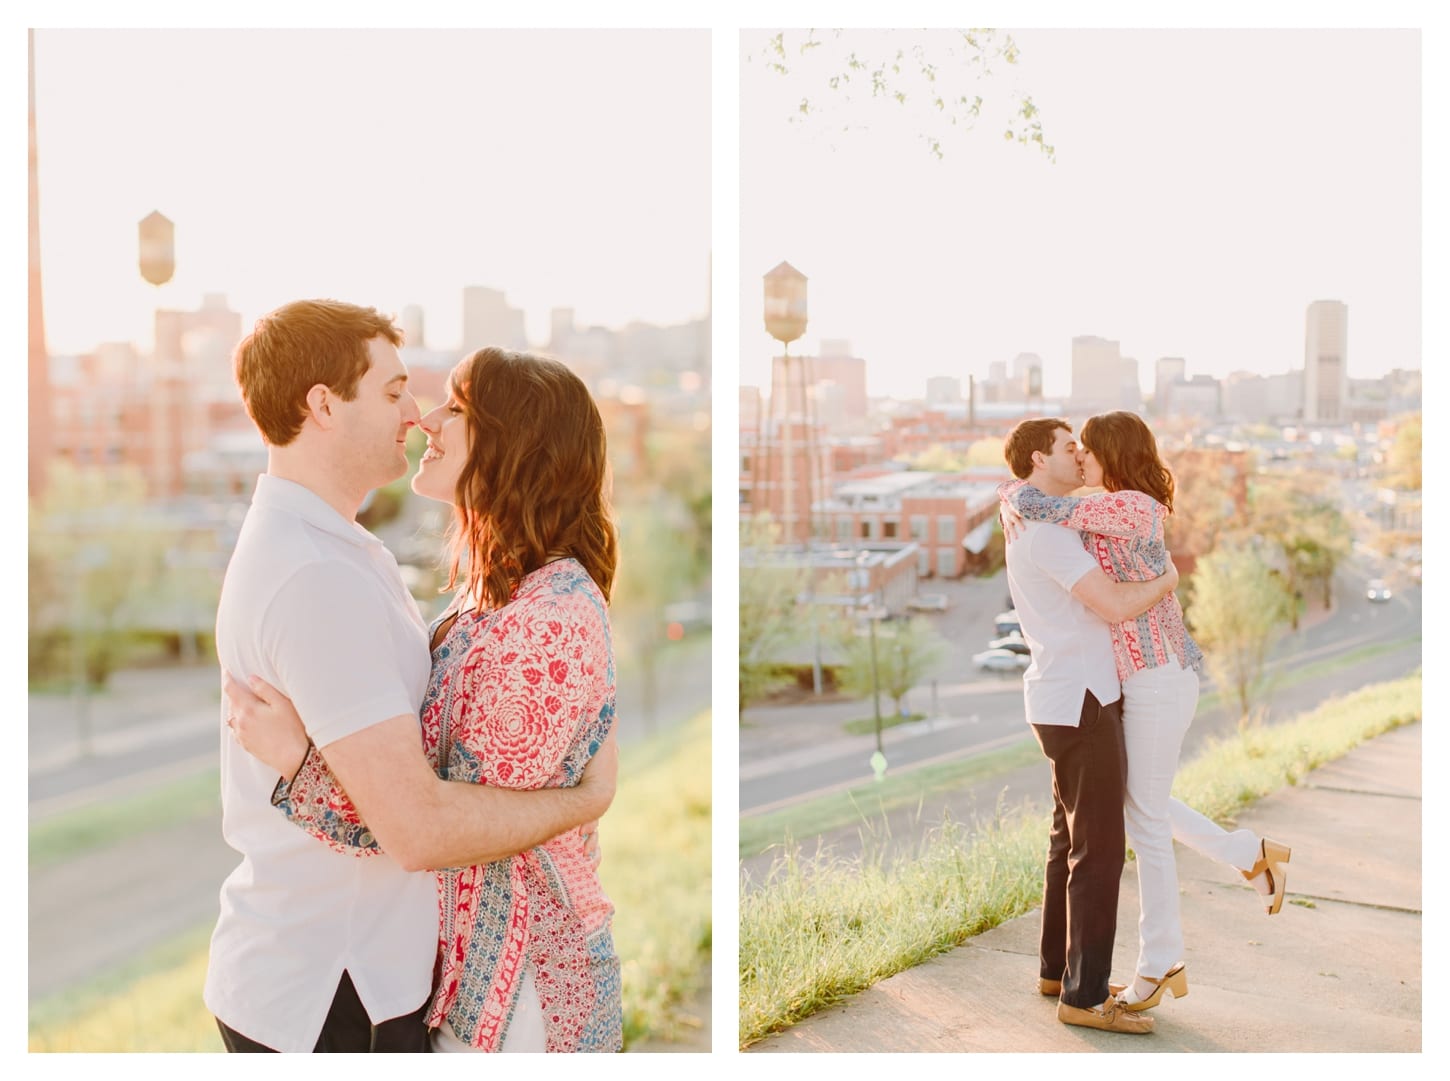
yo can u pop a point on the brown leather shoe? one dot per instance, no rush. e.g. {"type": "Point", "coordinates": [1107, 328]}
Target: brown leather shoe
{"type": "Point", "coordinates": [1110, 1017]}
{"type": "Point", "coordinates": [1053, 988]}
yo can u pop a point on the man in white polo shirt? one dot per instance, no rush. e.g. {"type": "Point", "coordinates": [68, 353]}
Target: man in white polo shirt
{"type": "Point", "coordinates": [314, 949]}
{"type": "Point", "coordinates": [1074, 705]}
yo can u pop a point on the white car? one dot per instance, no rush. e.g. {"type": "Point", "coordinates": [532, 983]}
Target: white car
{"type": "Point", "coordinates": [928, 602]}
{"type": "Point", "coordinates": [1378, 591]}
{"type": "Point", "coordinates": [1012, 643]}
{"type": "Point", "coordinates": [1001, 660]}
{"type": "Point", "coordinates": [1007, 622]}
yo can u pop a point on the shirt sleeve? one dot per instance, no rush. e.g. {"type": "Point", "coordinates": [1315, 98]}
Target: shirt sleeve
{"type": "Point", "coordinates": [1058, 553]}
{"type": "Point", "coordinates": [326, 636]}
{"type": "Point", "coordinates": [1109, 514]}
{"type": "Point", "coordinates": [537, 696]}
{"type": "Point", "coordinates": [315, 802]}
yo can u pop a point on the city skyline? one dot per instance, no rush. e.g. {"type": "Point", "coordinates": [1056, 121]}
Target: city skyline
{"type": "Point", "coordinates": [1184, 216]}
{"type": "Point", "coordinates": [277, 191]}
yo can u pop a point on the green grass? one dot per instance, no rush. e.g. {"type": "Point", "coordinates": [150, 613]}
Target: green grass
{"type": "Point", "coordinates": [150, 1004]}
{"type": "Point", "coordinates": [863, 725]}
{"type": "Point", "coordinates": [867, 801]}
{"type": "Point", "coordinates": [823, 928]}
{"type": "Point", "coordinates": [68, 835]}
{"type": "Point", "coordinates": [1286, 678]}
{"type": "Point", "coordinates": [656, 869]}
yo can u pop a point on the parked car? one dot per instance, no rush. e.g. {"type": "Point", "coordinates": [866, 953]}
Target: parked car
{"type": "Point", "coordinates": [1012, 642]}
{"type": "Point", "coordinates": [928, 602]}
{"type": "Point", "coordinates": [1001, 660]}
{"type": "Point", "coordinates": [1378, 591]}
{"type": "Point", "coordinates": [1007, 622]}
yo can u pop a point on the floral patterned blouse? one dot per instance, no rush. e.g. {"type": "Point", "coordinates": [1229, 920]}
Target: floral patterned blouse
{"type": "Point", "coordinates": [1123, 531]}
{"type": "Point", "coordinates": [520, 697]}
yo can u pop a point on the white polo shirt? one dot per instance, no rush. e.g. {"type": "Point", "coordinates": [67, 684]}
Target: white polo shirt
{"type": "Point", "coordinates": [1072, 649]}
{"type": "Point", "coordinates": [315, 605]}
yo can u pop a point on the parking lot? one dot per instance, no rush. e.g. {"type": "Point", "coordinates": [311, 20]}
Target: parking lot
{"type": "Point", "coordinates": [972, 603]}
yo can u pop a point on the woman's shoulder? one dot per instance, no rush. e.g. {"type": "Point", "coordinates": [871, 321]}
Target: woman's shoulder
{"type": "Point", "coordinates": [559, 591]}
{"type": "Point", "coordinates": [1136, 500]}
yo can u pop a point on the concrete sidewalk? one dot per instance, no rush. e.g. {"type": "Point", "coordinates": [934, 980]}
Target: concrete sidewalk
{"type": "Point", "coordinates": [1338, 969]}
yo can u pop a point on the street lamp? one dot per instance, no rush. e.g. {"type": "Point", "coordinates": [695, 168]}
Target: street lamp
{"type": "Point", "coordinates": [872, 614]}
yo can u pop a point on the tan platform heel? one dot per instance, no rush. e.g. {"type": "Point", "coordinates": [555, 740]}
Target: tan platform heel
{"type": "Point", "coordinates": [1272, 856]}
{"type": "Point", "coordinates": [1175, 980]}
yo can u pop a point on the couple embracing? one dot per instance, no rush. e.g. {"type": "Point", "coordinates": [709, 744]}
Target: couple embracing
{"type": "Point", "coordinates": [415, 806]}
{"type": "Point", "coordinates": [1110, 693]}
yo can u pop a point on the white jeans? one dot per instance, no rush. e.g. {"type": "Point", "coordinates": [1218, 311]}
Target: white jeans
{"type": "Point", "coordinates": [525, 1032]}
{"type": "Point", "coordinates": [1158, 706]}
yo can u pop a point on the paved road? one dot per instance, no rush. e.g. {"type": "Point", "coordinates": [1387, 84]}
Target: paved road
{"type": "Point", "coordinates": [779, 766]}
{"type": "Point", "coordinates": [1339, 969]}
{"type": "Point", "coordinates": [154, 726]}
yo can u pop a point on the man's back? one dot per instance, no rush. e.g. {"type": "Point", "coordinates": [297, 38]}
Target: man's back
{"type": "Point", "coordinates": [1072, 649]}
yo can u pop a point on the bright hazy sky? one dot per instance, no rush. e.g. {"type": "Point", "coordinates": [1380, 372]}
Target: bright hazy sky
{"type": "Point", "coordinates": [1209, 184]}
{"type": "Point", "coordinates": [384, 167]}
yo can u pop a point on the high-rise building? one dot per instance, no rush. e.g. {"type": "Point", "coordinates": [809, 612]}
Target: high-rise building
{"type": "Point", "coordinates": [1326, 361]}
{"type": "Point", "coordinates": [943, 390]}
{"type": "Point", "coordinates": [1097, 375]}
{"type": "Point", "coordinates": [840, 367]}
{"type": "Point", "coordinates": [1027, 377]}
{"type": "Point", "coordinates": [489, 320]}
{"type": "Point", "coordinates": [1198, 397]}
{"type": "Point", "coordinates": [561, 329]}
{"type": "Point", "coordinates": [1130, 390]}
{"type": "Point", "coordinates": [1167, 371]}
{"type": "Point", "coordinates": [410, 322]}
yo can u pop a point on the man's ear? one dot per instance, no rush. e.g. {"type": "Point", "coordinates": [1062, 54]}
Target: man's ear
{"type": "Point", "coordinates": [1038, 459]}
{"type": "Point", "coordinates": [320, 401]}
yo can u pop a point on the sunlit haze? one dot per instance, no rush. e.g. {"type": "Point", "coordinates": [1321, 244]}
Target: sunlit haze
{"type": "Point", "coordinates": [382, 167]}
{"type": "Point", "coordinates": [1208, 186]}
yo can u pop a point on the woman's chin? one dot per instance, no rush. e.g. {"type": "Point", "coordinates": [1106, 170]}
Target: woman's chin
{"type": "Point", "coordinates": [421, 485]}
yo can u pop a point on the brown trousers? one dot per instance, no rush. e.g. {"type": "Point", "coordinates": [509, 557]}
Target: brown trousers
{"type": "Point", "coordinates": [1085, 850]}
{"type": "Point", "coordinates": [349, 1029]}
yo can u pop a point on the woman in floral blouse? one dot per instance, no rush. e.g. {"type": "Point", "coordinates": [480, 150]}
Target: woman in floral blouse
{"type": "Point", "coordinates": [1158, 665]}
{"type": "Point", "coordinates": [521, 695]}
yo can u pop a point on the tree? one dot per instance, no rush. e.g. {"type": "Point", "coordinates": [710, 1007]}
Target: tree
{"type": "Point", "coordinates": [679, 461]}
{"type": "Point", "coordinates": [1402, 465]}
{"type": "Point", "coordinates": [655, 569]}
{"type": "Point", "coordinates": [1238, 609]}
{"type": "Point", "coordinates": [939, 459]}
{"type": "Point", "coordinates": [767, 604]}
{"type": "Point", "coordinates": [1301, 516]}
{"type": "Point", "coordinates": [987, 451]}
{"type": "Point", "coordinates": [95, 559]}
{"type": "Point", "coordinates": [906, 651]}
{"type": "Point", "coordinates": [1204, 507]}
{"type": "Point", "coordinates": [937, 76]}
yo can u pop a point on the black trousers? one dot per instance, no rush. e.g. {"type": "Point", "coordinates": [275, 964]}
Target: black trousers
{"type": "Point", "coordinates": [1085, 850]}
{"type": "Point", "coordinates": [348, 1028]}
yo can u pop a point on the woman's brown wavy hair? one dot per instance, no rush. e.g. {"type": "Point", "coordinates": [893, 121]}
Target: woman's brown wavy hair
{"type": "Point", "coordinates": [534, 485]}
{"type": "Point", "coordinates": [1124, 446]}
